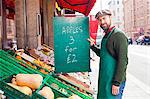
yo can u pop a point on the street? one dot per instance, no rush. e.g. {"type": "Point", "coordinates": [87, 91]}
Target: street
{"type": "Point", "coordinates": [138, 75]}
{"type": "Point", "coordinates": [139, 64]}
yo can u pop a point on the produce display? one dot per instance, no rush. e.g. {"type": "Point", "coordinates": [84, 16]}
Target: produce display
{"type": "Point", "coordinates": [34, 81]}
{"type": "Point", "coordinates": [34, 63]}
{"type": "Point", "coordinates": [47, 92]}
{"type": "Point", "coordinates": [16, 89]}
{"type": "Point", "coordinates": [33, 76]}
{"type": "Point", "coordinates": [24, 89]}
{"type": "Point", "coordinates": [2, 96]}
{"type": "Point", "coordinates": [77, 84]}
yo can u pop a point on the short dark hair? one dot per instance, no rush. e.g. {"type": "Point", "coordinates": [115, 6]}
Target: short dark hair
{"type": "Point", "coordinates": [102, 13]}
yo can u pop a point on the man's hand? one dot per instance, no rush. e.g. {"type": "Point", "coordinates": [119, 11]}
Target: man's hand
{"type": "Point", "coordinates": [115, 90]}
{"type": "Point", "coordinates": [91, 40]}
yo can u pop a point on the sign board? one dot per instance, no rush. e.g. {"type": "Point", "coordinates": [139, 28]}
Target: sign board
{"type": "Point", "coordinates": [71, 48]}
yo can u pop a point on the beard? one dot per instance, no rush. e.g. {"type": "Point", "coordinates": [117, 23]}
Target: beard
{"type": "Point", "coordinates": [105, 27]}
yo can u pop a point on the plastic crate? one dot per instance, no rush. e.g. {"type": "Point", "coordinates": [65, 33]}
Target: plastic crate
{"type": "Point", "coordinates": [11, 67]}
{"type": "Point", "coordinates": [38, 68]}
{"type": "Point", "coordinates": [13, 93]}
{"type": "Point", "coordinates": [15, 61]}
{"type": "Point", "coordinates": [57, 93]}
{"type": "Point", "coordinates": [4, 73]}
{"type": "Point", "coordinates": [68, 88]}
{"type": "Point", "coordinates": [16, 66]}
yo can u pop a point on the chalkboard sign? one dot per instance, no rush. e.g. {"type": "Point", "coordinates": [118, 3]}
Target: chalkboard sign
{"type": "Point", "coordinates": [71, 48]}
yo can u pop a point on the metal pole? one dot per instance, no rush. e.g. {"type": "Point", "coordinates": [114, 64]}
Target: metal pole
{"type": "Point", "coordinates": [39, 31]}
{"type": "Point", "coordinates": [25, 23]}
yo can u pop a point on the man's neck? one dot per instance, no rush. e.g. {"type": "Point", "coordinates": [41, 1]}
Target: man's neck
{"type": "Point", "coordinates": [109, 30]}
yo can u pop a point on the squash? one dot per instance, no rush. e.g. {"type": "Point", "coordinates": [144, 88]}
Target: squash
{"type": "Point", "coordinates": [13, 81]}
{"type": "Point", "coordinates": [74, 97]}
{"type": "Point", "coordinates": [14, 86]}
{"type": "Point", "coordinates": [47, 92]}
{"type": "Point", "coordinates": [24, 89]}
{"type": "Point", "coordinates": [33, 81]}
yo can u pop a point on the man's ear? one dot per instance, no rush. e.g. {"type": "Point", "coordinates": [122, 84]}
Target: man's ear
{"type": "Point", "coordinates": [110, 16]}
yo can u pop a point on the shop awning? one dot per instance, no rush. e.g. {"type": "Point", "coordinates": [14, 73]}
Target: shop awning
{"type": "Point", "coordinates": [10, 4]}
{"type": "Point", "coordinates": [82, 6]}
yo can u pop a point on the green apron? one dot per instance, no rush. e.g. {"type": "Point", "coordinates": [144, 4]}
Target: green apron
{"type": "Point", "coordinates": [106, 71]}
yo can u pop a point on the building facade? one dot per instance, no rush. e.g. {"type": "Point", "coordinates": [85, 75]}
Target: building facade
{"type": "Point", "coordinates": [29, 22]}
{"type": "Point", "coordinates": [147, 28]}
{"type": "Point", "coordinates": [118, 14]}
{"type": "Point", "coordinates": [137, 17]}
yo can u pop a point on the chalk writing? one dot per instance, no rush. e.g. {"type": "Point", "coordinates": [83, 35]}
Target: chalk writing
{"type": "Point", "coordinates": [71, 57]}
{"type": "Point", "coordinates": [72, 29]}
{"type": "Point", "coordinates": [71, 48]}
{"type": "Point", "coordinates": [71, 40]}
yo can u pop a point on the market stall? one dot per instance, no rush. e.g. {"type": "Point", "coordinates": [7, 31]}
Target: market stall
{"type": "Point", "coordinates": [62, 85]}
{"type": "Point", "coordinates": [29, 68]}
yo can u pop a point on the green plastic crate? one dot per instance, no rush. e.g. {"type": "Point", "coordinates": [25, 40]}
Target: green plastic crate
{"type": "Point", "coordinates": [68, 88]}
{"type": "Point", "coordinates": [51, 80]}
{"type": "Point", "coordinates": [38, 67]}
{"type": "Point", "coordinates": [17, 62]}
{"type": "Point", "coordinates": [14, 65]}
{"type": "Point", "coordinates": [10, 91]}
{"type": "Point", "coordinates": [11, 67]}
{"type": "Point", "coordinates": [3, 71]}
{"type": "Point", "coordinates": [13, 93]}
{"type": "Point", "coordinates": [57, 93]}
{"type": "Point", "coordinates": [4, 74]}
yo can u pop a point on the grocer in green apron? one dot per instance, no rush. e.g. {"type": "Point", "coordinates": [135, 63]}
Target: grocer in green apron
{"type": "Point", "coordinates": [106, 71]}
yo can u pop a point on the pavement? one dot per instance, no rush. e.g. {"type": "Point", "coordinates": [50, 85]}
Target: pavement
{"type": "Point", "coordinates": [134, 88]}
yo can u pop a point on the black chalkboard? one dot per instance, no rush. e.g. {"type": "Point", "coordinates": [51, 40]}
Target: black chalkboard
{"type": "Point", "coordinates": [71, 48]}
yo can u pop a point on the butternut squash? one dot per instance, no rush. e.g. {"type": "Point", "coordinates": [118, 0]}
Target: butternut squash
{"type": "Point", "coordinates": [13, 81]}
{"type": "Point", "coordinates": [33, 81]}
{"type": "Point", "coordinates": [47, 92]}
{"type": "Point", "coordinates": [24, 89]}
{"type": "Point", "coordinates": [74, 97]}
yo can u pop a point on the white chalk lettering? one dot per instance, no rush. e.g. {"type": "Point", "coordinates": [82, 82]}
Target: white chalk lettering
{"type": "Point", "coordinates": [63, 30]}
{"type": "Point", "coordinates": [69, 49]}
{"type": "Point", "coordinates": [71, 29]}
{"type": "Point", "coordinates": [74, 58]}
{"type": "Point", "coordinates": [71, 58]}
{"type": "Point", "coordinates": [71, 40]}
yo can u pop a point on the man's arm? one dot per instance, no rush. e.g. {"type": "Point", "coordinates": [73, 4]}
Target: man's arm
{"type": "Point", "coordinates": [96, 50]}
{"type": "Point", "coordinates": [93, 46]}
{"type": "Point", "coordinates": [121, 49]}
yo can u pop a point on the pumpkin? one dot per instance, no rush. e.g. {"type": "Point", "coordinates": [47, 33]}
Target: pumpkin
{"type": "Point", "coordinates": [33, 81]}
{"type": "Point", "coordinates": [47, 92]}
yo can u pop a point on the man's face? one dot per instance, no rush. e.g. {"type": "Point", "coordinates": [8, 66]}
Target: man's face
{"type": "Point", "coordinates": [104, 22]}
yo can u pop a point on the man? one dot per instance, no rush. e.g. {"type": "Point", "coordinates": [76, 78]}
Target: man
{"type": "Point", "coordinates": [113, 58]}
